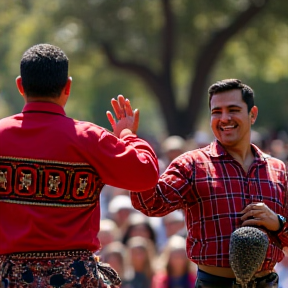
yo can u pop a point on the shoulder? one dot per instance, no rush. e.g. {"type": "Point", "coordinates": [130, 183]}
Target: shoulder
{"type": "Point", "coordinates": [190, 159]}
{"type": "Point", "coordinates": [270, 160]}
{"type": "Point", "coordinates": [277, 165]}
{"type": "Point", "coordinates": [199, 154]}
{"type": "Point", "coordinates": [10, 120]}
{"type": "Point", "coordinates": [11, 117]}
{"type": "Point", "coordinates": [89, 127]}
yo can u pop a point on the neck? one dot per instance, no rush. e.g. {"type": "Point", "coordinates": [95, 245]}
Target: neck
{"type": "Point", "coordinates": [243, 155]}
{"type": "Point", "coordinates": [55, 100]}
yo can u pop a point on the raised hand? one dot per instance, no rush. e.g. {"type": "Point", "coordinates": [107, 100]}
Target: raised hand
{"type": "Point", "coordinates": [126, 118]}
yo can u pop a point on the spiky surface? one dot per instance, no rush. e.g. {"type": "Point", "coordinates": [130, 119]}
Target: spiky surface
{"type": "Point", "coordinates": [248, 246]}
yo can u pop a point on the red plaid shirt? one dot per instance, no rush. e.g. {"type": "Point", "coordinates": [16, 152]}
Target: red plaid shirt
{"type": "Point", "coordinates": [212, 189]}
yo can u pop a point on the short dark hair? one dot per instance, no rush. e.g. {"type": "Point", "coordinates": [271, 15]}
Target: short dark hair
{"type": "Point", "coordinates": [231, 84]}
{"type": "Point", "coordinates": [44, 70]}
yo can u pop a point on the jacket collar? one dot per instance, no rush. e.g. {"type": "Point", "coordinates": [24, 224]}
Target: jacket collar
{"type": "Point", "coordinates": [47, 107]}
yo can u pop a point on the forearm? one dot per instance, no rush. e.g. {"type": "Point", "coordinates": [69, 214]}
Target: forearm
{"type": "Point", "coordinates": [152, 203]}
{"type": "Point", "coordinates": [170, 193]}
{"type": "Point", "coordinates": [129, 163]}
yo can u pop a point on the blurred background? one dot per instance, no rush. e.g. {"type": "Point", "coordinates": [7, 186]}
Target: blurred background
{"type": "Point", "coordinates": [162, 55]}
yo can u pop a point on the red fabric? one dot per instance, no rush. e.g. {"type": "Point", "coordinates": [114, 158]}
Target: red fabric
{"type": "Point", "coordinates": [212, 189]}
{"type": "Point", "coordinates": [43, 132]}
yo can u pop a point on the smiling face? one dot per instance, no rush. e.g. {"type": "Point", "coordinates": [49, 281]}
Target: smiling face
{"type": "Point", "coordinates": [230, 120]}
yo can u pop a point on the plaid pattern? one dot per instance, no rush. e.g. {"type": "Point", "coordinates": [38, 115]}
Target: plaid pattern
{"type": "Point", "coordinates": [212, 189]}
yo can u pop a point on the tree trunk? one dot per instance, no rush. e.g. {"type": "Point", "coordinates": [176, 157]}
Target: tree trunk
{"type": "Point", "coordinates": [179, 121]}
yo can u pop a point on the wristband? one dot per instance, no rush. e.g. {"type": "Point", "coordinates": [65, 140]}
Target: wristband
{"type": "Point", "coordinates": [282, 220]}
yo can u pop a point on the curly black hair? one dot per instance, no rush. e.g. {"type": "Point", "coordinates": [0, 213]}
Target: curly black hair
{"type": "Point", "coordinates": [44, 71]}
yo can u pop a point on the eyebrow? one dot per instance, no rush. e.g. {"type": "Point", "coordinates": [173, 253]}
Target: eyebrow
{"type": "Point", "coordinates": [229, 107]}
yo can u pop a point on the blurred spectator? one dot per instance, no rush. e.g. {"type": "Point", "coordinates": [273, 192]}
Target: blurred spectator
{"type": "Point", "coordinates": [172, 147]}
{"type": "Point", "coordinates": [139, 225]}
{"type": "Point", "coordinates": [107, 194]}
{"type": "Point", "coordinates": [115, 254]}
{"type": "Point", "coordinates": [202, 139]}
{"type": "Point", "coordinates": [141, 251]}
{"type": "Point", "coordinates": [282, 270]}
{"type": "Point", "coordinates": [109, 232]}
{"type": "Point", "coordinates": [175, 269]}
{"type": "Point", "coordinates": [256, 138]}
{"type": "Point", "coordinates": [119, 210]}
{"type": "Point", "coordinates": [173, 223]}
{"type": "Point", "coordinates": [278, 149]}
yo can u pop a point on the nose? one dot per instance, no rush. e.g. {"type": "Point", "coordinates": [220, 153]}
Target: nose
{"type": "Point", "coordinates": [225, 117]}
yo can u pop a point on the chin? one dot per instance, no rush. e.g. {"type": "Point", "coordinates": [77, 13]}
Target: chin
{"type": "Point", "coordinates": [228, 143]}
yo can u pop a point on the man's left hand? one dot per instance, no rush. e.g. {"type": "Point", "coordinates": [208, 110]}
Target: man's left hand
{"type": "Point", "coordinates": [259, 214]}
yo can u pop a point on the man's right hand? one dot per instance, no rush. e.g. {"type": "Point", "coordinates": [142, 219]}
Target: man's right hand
{"type": "Point", "coordinates": [128, 120]}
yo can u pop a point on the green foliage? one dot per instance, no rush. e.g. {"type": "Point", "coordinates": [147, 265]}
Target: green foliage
{"type": "Point", "coordinates": [134, 31]}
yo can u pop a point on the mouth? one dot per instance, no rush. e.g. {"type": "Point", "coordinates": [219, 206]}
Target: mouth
{"type": "Point", "coordinates": [228, 127]}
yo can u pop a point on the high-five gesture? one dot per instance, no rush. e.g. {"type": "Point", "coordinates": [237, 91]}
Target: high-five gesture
{"type": "Point", "coordinates": [127, 118]}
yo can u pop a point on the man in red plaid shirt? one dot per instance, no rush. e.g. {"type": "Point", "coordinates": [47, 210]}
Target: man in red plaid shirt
{"type": "Point", "coordinates": [221, 187]}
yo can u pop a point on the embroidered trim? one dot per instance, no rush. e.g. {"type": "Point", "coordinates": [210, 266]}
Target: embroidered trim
{"type": "Point", "coordinates": [46, 204]}
{"type": "Point", "coordinates": [48, 183]}
{"type": "Point", "coordinates": [43, 161]}
{"type": "Point", "coordinates": [47, 254]}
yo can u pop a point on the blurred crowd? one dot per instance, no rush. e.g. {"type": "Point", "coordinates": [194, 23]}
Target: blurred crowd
{"type": "Point", "coordinates": [149, 252]}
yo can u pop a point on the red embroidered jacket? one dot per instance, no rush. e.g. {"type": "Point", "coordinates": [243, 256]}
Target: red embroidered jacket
{"type": "Point", "coordinates": [52, 169]}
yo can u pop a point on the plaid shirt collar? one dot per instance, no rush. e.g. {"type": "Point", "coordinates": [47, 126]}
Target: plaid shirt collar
{"type": "Point", "coordinates": [218, 151]}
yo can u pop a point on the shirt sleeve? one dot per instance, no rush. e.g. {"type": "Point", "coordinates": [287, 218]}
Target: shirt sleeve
{"type": "Point", "coordinates": [283, 235]}
{"type": "Point", "coordinates": [172, 192]}
{"type": "Point", "coordinates": [129, 163]}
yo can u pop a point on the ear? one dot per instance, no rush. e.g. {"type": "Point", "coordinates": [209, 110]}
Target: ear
{"type": "Point", "coordinates": [68, 86]}
{"type": "Point", "coordinates": [65, 92]}
{"type": "Point", "coordinates": [254, 114]}
{"type": "Point", "coordinates": [19, 85]}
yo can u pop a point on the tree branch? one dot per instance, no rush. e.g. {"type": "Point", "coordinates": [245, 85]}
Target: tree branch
{"type": "Point", "coordinates": [210, 53]}
{"type": "Point", "coordinates": [146, 74]}
{"type": "Point", "coordinates": [156, 83]}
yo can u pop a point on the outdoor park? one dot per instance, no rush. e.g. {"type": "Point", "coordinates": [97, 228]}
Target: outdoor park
{"type": "Point", "coordinates": [162, 55]}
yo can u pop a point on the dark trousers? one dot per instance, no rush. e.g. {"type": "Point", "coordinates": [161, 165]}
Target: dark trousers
{"type": "Point", "coordinates": [205, 280]}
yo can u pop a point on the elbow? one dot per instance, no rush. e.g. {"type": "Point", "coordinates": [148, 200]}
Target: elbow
{"type": "Point", "coordinates": [150, 179]}
{"type": "Point", "coordinates": [146, 182]}
{"type": "Point", "coordinates": [154, 179]}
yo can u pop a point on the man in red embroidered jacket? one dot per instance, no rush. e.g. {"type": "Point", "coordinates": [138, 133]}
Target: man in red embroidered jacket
{"type": "Point", "coordinates": [221, 187]}
{"type": "Point", "coordinates": [52, 170]}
